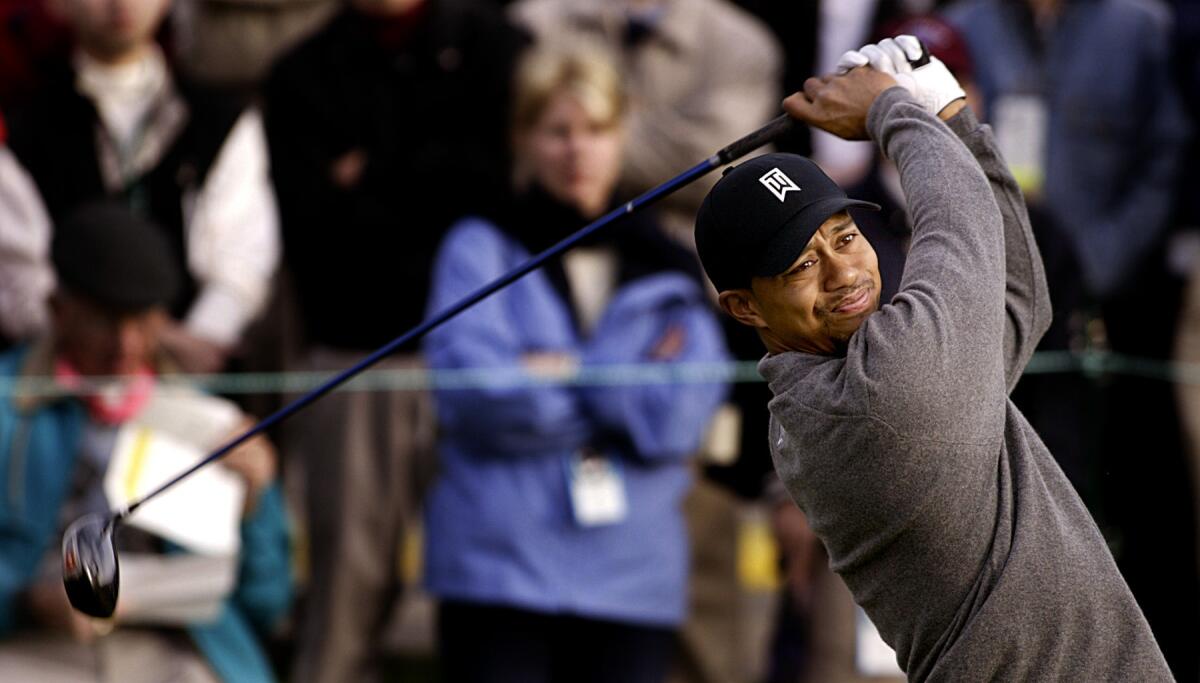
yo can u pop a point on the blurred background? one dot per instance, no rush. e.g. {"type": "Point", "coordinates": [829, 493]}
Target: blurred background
{"type": "Point", "coordinates": [570, 482]}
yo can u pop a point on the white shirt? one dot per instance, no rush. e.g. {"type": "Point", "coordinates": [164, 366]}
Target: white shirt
{"type": "Point", "coordinates": [26, 279]}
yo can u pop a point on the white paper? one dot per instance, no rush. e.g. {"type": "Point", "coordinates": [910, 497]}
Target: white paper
{"type": "Point", "coordinates": [174, 589]}
{"type": "Point", "coordinates": [199, 419]}
{"type": "Point", "coordinates": [175, 431]}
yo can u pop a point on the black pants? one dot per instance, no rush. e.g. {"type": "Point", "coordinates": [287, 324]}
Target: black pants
{"type": "Point", "coordinates": [485, 644]}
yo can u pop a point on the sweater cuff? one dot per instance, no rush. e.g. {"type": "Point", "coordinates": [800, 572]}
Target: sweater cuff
{"type": "Point", "coordinates": [963, 123]}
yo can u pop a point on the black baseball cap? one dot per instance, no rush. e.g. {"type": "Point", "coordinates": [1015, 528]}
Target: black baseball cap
{"type": "Point", "coordinates": [105, 252]}
{"type": "Point", "coordinates": [759, 217]}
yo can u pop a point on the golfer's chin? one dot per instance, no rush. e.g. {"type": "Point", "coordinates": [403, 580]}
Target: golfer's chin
{"type": "Point", "coordinates": [841, 328]}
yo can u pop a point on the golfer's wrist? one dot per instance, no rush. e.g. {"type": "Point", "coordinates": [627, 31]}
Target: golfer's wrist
{"type": "Point", "coordinates": [951, 110]}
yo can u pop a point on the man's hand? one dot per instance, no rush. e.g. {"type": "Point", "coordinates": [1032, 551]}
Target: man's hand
{"type": "Point", "coordinates": [839, 104]}
{"type": "Point", "coordinates": [550, 365]}
{"type": "Point", "coordinates": [931, 84]}
{"type": "Point", "coordinates": [256, 462]}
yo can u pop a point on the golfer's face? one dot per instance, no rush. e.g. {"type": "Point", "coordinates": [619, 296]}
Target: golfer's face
{"type": "Point", "coordinates": [820, 301]}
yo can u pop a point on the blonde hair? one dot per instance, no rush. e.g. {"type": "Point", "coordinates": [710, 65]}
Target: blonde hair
{"type": "Point", "coordinates": [587, 74]}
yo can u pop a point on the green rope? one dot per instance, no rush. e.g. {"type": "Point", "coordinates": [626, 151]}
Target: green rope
{"type": "Point", "coordinates": [1091, 364]}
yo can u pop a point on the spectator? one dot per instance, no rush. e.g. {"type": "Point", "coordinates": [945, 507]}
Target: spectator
{"type": "Point", "coordinates": [116, 122]}
{"type": "Point", "coordinates": [1087, 111]}
{"type": "Point", "coordinates": [1113, 129]}
{"type": "Point", "coordinates": [555, 538]}
{"type": "Point", "coordinates": [700, 73]}
{"type": "Point", "coordinates": [233, 42]}
{"type": "Point", "coordinates": [382, 126]}
{"type": "Point", "coordinates": [116, 275]}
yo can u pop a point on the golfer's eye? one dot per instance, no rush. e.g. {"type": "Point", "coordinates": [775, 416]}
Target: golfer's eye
{"type": "Point", "coordinates": [847, 238]}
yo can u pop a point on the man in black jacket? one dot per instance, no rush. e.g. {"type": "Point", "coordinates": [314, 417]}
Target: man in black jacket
{"type": "Point", "coordinates": [383, 127]}
{"type": "Point", "coordinates": [117, 121]}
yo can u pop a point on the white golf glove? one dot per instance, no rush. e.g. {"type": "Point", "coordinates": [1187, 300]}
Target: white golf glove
{"type": "Point", "coordinates": [931, 84]}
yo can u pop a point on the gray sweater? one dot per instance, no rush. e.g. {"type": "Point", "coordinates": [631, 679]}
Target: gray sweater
{"type": "Point", "coordinates": [937, 502]}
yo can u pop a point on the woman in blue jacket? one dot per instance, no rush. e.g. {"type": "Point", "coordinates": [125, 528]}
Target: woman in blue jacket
{"type": "Point", "coordinates": [555, 539]}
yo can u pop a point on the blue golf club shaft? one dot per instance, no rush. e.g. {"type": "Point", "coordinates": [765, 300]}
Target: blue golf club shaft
{"type": "Point", "coordinates": [734, 151]}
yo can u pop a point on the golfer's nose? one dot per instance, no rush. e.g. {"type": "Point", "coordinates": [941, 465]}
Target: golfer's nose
{"type": "Point", "coordinates": [839, 272]}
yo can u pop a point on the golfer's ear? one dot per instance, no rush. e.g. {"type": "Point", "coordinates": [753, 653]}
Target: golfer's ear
{"type": "Point", "coordinates": [741, 306]}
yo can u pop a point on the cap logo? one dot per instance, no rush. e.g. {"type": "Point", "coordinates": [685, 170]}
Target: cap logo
{"type": "Point", "coordinates": [778, 183]}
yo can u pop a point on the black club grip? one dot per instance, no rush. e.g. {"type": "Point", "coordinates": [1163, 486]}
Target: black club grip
{"type": "Point", "coordinates": [763, 136]}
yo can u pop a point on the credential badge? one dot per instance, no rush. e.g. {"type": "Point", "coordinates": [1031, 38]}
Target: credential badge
{"type": "Point", "coordinates": [778, 183]}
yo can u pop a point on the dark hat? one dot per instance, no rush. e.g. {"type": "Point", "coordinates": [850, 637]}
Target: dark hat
{"type": "Point", "coordinates": [757, 220]}
{"type": "Point", "coordinates": [105, 252]}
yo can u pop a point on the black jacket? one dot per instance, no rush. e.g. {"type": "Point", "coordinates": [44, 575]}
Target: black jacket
{"type": "Point", "coordinates": [54, 137]}
{"type": "Point", "coordinates": [425, 106]}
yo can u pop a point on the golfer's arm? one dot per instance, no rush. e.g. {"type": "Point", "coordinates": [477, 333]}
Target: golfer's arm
{"type": "Point", "coordinates": [949, 308]}
{"type": "Point", "coordinates": [1026, 296]}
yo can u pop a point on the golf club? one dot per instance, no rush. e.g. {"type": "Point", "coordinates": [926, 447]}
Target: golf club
{"type": "Point", "coordinates": [90, 569]}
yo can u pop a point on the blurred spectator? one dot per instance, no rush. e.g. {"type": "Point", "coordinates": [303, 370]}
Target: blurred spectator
{"type": "Point", "coordinates": [116, 275]}
{"type": "Point", "coordinates": [384, 126]}
{"type": "Point", "coordinates": [555, 538]}
{"type": "Point", "coordinates": [116, 122]}
{"type": "Point", "coordinates": [1084, 100]}
{"type": "Point", "coordinates": [24, 280]}
{"type": "Point", "coordinates": [700, 73]}
{"type": "Point", "coordinates": [233, 42]}
{"type": "Point", "coordinates": [1084, 96]}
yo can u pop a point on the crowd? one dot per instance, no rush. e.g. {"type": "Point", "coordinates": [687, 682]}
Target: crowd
{"type": "Point", "coordinates": [209, 186]}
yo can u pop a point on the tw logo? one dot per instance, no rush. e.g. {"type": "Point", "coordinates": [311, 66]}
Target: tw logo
{"type": "Point", "coordinates": [778, 183]}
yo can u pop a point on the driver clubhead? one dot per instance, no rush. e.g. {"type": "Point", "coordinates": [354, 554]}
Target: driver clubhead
{"type": "Point", "coordinates": [90, 571]}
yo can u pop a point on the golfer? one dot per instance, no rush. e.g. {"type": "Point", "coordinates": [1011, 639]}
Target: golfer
{"type": "Point", "coordinates": [890, 425]}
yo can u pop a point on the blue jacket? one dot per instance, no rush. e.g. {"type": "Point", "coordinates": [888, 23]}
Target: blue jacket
{"type": "Point", "coordinates": [500, 528]}
{"type": "Point", "coordinates": [1116, 124]}
{"type": "Point", "coordinates": [39, 441]}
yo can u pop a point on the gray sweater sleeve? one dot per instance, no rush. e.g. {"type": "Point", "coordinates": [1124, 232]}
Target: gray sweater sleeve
{"type": "Point", "coordinates": [937, 343]}
{"type": "Point", "coordinates": [1026, 297]}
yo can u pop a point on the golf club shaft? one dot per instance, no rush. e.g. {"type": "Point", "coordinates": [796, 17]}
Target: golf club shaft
{"type": "Point", "coordinates": [765, 135]}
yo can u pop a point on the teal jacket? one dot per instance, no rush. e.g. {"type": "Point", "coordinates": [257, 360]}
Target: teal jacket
{"type": "Point", "coordinates": [39, 441]}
